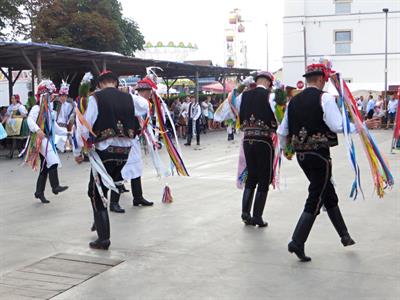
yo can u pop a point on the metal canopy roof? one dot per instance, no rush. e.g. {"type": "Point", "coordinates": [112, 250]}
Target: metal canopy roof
{"type": "Point", "coordinates": [20, 56]}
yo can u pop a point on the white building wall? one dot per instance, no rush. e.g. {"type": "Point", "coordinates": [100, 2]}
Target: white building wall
{"type": "Point", "coordinates": [365, 63]}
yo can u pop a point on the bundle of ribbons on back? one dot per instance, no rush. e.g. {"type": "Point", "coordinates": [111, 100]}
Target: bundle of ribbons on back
{"type": "Point", "coordinates": [380, 170]}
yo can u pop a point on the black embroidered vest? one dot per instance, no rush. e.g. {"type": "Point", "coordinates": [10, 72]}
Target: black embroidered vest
{"type": "Point", "coordinates": [257, 119]}
{"type": "Point", "coordinates": [307, 129]}
{"type": "Point", "coordinates": [116, 116]}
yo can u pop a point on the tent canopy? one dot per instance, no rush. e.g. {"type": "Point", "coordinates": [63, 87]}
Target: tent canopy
{"type": "Point", "coordinates": [218, 88]}
{"type": "Point", "coordinates": [33, 56]}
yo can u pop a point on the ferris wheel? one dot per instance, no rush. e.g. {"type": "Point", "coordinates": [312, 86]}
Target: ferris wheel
{"type": "Point", "coordinates": [236, 47]}
{"type": "Point", "coordinates": [171, 51]}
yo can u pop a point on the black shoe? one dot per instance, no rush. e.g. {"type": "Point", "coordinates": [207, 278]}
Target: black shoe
{"type": "Point", "coordinates": [59, 189]}
{"type": "Point", "coordinates": [293, 247]}
{"type": "Point", "coordinates": [122, 189]}
{"type": "Point", "coordinates": [100, 244]}
{"type": "Point", "coordinates": [347, 240]}
{"type": "Point", "coordinates": [102, 223]}
{"type": "Point", "coordinates": [338, 222]}
{"type": "Point", "coordinates": [142, 202]}
{"type": "Point", "coordinates": [300, 236]}
{"type": "Point", "coordinates": [257, 221]}
{"type": "Point", "coordinates": [258, 209]}
{"type": "Point", "coordinates": [137, 193]}
{"type": "Point", "coordinates": [40, 187]}
{"type": "Point", "coordinates": [114, 206]}
{"type": "Point", "coordinates": [247, 201]}
{"type": "Point", "coordinates": [186, 144]}
{"type": "Point", "coordinates": [54, 182]}
{"type": "Point", "coordinates": [198, 144]}
{"type": "Point", "coordinates": [41, 197]}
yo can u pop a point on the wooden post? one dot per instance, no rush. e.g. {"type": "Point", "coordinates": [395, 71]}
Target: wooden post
{"type": "Point", "coordinates": [197, 86]}
{"type": "Point", "coordinates": [10, 84]}
{"type": "Point", "coordinates": [33, 81]}
{"type": "Point", "coordinates": [39, 66]}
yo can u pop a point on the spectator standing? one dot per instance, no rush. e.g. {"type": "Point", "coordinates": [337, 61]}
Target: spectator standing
{"type": "Point", "coordinates": [392, 110]}
{"type": "Point", "coordinates": [193, 127]}
{"type": "Point", "coordinates": [210, 113]}
{"type": "Point", "coordinates": [370, 107]}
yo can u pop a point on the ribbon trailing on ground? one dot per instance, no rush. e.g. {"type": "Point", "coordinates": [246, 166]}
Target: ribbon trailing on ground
{"type": "Point", "coordinates": [379, 167]}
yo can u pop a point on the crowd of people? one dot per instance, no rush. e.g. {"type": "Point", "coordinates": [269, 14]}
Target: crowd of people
{"type": "Point", "coordinates": [385, 110]}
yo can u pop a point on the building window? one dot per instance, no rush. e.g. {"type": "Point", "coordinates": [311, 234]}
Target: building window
{"type": "Point", "coordinates": [342, 7]}
{"type": "Point", "coordinates": [343, 40]}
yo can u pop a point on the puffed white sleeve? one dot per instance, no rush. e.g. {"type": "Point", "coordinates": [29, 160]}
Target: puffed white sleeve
{"type": "Point", "coordinates": [22, 110]}
{"type": "Point", "coordinates": [332, 115]}
{"type": "Point", "coordinates": [81, 131]}
{"type": "Point", "coordinates": [59, 130]}
{"type": "Point", "coordinates": [32, 117]}
{"type": "Point", "coordinates": [238, 102]}
{"type": "Point", "coordinates": [283, 130]}
{"type": "Point", "coordinates": [272, 102]}
{"type": "Point", "coordinates": [141, 105]}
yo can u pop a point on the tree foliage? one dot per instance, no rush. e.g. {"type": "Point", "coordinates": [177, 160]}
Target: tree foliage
{"type": "Point", "coordinates": [90, 24]}
{"type": "Point", "coordinates": [9, 16]}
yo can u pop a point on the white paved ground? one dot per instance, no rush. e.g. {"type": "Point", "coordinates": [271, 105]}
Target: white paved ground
{"type": "Point", "coordinates": [197, 248]}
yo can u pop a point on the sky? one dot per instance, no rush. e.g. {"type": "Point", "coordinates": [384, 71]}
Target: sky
{"type": "Point", "coordinates": [204, 22]}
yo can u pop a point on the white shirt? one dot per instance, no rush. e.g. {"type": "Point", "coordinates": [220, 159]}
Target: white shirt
{"type": "Point", "coordinates": [66, 111]}
{"type": "Point", "coordinates": [185, 109]}
{"type": "Point", "coordinates": [33, 116]}
{"type": "Point", "coordinates": [370, 105]}
{"type": "Point", "coordinates": [392, 106]}
{"type": "Point", "coordinates": [195, 111]}
{"type": "Point", "coordinates": [332, 118]}
{"type": "Point", "coordinates": [204, 106]}
{"type": "Point", "coordinates": [141, 107]}
{"type": "Point", "coordinates": [16, 107]}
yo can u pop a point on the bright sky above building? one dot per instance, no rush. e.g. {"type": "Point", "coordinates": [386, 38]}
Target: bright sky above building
{"type": "Point", "coordinates": [204, 23]}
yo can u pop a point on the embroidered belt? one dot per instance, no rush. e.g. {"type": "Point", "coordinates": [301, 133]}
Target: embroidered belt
{"type": "Point", "coordinates": [314, 142]}
{"type": "Point", "coordinates": [253, 133]}
{"type": "Point", "coordinates": [65, 125]}
{"type": "Point", "coordinates": [118, 150]}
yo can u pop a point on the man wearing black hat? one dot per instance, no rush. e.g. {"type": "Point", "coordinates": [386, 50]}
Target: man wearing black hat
{"type": "Point", "coordinates": [133, 168]}
{"type": "Point", "coordinates": [310, 125]}
{"type": "Point", "coordinates": [111, 114]}
{"type": "Point", "coordinates": [258, 123]}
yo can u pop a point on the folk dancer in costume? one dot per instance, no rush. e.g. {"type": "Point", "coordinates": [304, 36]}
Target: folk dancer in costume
{"type": "Point", "coordinates": [258, 123]}
{"type": "Point", "coordinates": [310, 125]}
{"type": "Point", "coordinates": [134, 167]}
{"type": "Point", "coordinates": [42, 124]}
{"type": "Point", "coordinates": [194, 114]}
{"type": "Point", "coordinates": [110, 117]}
{"type": "Point", "coordinates": [65, 114]}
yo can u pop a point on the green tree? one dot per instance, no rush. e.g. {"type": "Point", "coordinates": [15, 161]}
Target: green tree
{"type": "Point", "coordinates": [10, 17]}
{"type": "Point", "coordinates": [90, 24]}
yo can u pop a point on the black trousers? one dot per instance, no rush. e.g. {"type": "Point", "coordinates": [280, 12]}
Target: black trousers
{"type": "Point", "coordinates": [190, 131]}
{"type": "Point", "coordinates": [259, 160]}
{"type": "Point", "coordinates": [43, 174]}
{"type": "Point", "coordinates": [317, 166]}
{"type": "Point", "coordinates": [113, 162]}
